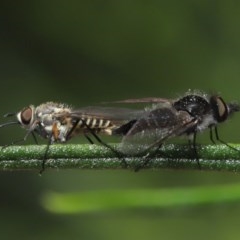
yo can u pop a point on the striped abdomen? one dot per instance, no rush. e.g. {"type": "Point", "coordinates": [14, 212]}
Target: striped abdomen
{"type": "Point", "coordinates": [84, 124]}
{"type": "Point", "coordinates": [95, 123]}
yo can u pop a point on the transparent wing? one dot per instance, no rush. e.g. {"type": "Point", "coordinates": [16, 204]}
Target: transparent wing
{"type": "Point", "coordinates": [110, 113]}
{"type": "Point", "coordinates": [154, 128]}
{"type": "Point", "coordinates": [145, 100]}
{"type": "Point", "coordinates": [99, 119]}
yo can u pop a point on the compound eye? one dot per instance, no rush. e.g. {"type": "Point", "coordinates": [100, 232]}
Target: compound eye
{"type": "Point", "coordinates": [222, 108]}
{"type": "Point", "coordinates": [219, 107]}
{"type": "Point", "coordinates": [26, 115]}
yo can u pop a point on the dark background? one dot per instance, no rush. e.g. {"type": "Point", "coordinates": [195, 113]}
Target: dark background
{"type": "Point", "coordinates": [85, 52]}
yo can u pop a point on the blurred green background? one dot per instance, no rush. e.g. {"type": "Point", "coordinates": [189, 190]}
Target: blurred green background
{"type": "Point", "coordinates": [85, 52]}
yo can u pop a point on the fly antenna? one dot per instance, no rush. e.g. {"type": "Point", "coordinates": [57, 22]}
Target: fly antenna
{"type": "Point", "coordinates": [233, 107]}
{"type": "Point", "coordinates": [8, 123]}
{"type": "Point", "coordinates": [11, 114]}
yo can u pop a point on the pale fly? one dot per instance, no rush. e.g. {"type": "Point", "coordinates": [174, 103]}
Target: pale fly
{"type": "Point", "coordinates": [169, 118]}
{"type": "Point", "coordinates": [59, 122]}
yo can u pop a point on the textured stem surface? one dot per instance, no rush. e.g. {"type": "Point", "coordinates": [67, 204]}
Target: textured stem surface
{"type": "Point", "coordinates": [87, 156]}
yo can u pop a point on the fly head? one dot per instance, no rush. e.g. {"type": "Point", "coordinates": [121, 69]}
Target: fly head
{"type": "Point", "coordinates": [26, 117]}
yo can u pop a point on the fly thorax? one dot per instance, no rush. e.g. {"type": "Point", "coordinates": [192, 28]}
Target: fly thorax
{"type": "Point", "coordinates": [46, 131]}
{"type": "Point", "coordinates": [45, 119]}
{"type": "Point", "coordinates": [63, 131]}
{"type": "Point", "coordinates": [49, 113]}
{"type": "Point", "coordinates": [193, 104]}
{"type": "Point", "coordinates": [205, 122]}
{"type": "Point", "coordinates": [58, 132]}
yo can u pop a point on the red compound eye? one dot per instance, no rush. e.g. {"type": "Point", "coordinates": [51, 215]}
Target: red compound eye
{"type": "Point", "coordinates": [26, 116]}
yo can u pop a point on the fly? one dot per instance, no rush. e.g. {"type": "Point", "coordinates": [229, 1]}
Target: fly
{"type": "Point", "coordinates": [59, 122]}
{"type": "Point", "coordinates": [188, 115]}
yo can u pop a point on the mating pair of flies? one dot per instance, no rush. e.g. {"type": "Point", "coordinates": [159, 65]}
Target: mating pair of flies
{"type": "Point", "coordinates": [143, 131]}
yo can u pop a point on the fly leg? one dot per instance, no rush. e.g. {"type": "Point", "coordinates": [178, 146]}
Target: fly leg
{"type": "Point", "coordinates": [118, 154]}
{"type": "Point", "coordinates": [193, 148]}
{"type": "Point", "coordinates": [34, 137]}
{"type": "Point", "coordinates": [45, 157]}
{"type": "Point", "coordinates": [74, 127]}
{"type": "Point", "coordinates": [147, 158]}
{"type": "Point", "coordinates": [21, 140]}
{"type": "Point", "coordinates": [221, 141]}
{"type": "Point", "coordinates": [211, 136]}
{"type": "Point", "coordinates": [88, 138]}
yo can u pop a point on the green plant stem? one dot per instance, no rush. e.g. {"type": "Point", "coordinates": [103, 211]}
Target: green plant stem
{"type": "Point", "coordinates": [87, 156]}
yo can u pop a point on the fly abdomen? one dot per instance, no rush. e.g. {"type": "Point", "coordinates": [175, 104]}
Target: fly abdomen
{"type": "Point", "coordinates": [123, 130]}
{"type": "Point", "coordinates": [139, 126]}
{"type": "Point", "coordinates": [94, 123]}
{"type": "Point", "coordinates": [106, 124]}
{"type": "Point", "coordinates": [103, 123]}
{"type": "Point", "coordinates": [88, 121]}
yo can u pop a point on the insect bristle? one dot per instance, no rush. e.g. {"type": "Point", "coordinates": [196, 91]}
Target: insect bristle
{"type": "Point", "coordinates": [11, 114]}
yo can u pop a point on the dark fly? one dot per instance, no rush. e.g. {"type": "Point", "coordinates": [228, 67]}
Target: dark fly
{"type": "Point", "coordinates": [187, 115]}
